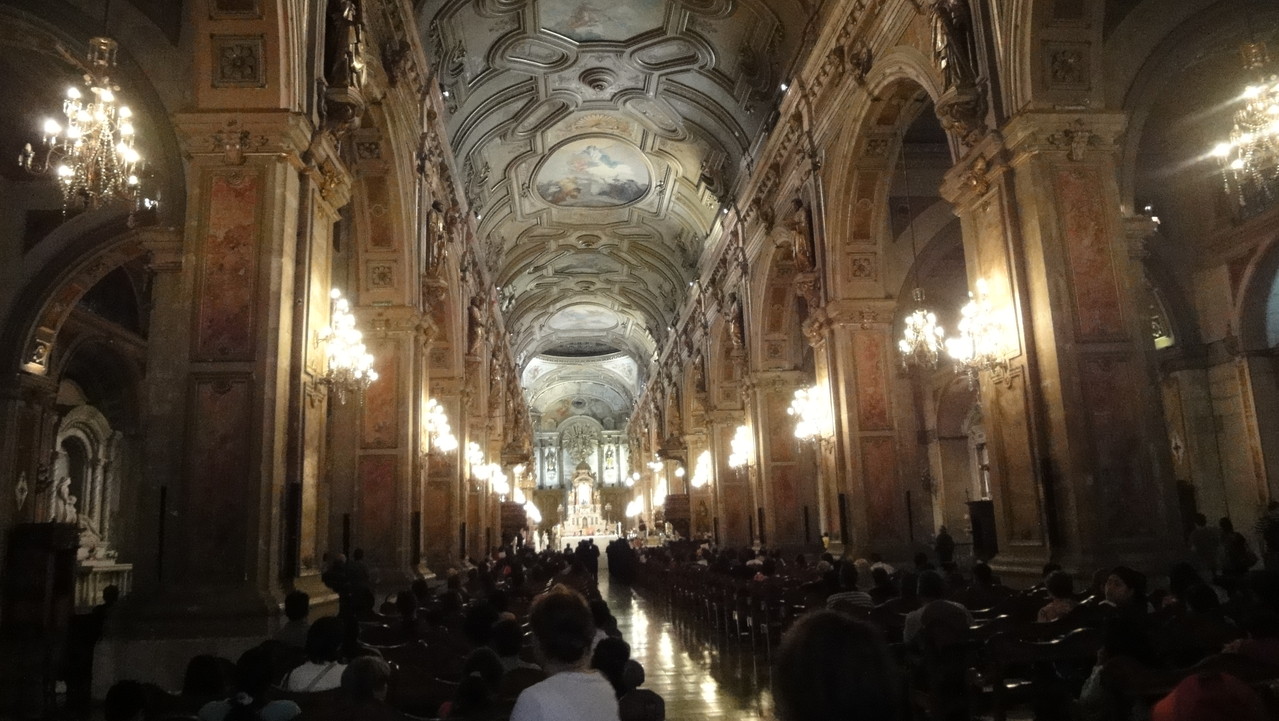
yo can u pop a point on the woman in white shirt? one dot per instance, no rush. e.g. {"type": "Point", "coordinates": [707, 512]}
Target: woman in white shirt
{"type": "Point", "coordinates": [323, 668]}
{"type": "Point", "coordinates": [563, 632]}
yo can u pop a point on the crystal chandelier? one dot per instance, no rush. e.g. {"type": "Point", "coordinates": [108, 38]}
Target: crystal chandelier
{"type": "Point", "coordinates": [979, 345]}
{"type": "Point", "coordinates": [922, 338]}
{"type": "Point", "coordinates": [701, 470]}
{"type": "Point", "coordinates": [475, 459]}
{"type": "Point", "coordinates": [811, 410]}
{"type": "Point", "coordinates": [741, 448]}
{"type": "Point", "coordinates": [350, 365]}
{"type": "Point", "coordinates": [91, 152]}
{"type": "Point", "coordinates": [1250, 158]}
{"type": "Point", "coordinates": [438, 429]}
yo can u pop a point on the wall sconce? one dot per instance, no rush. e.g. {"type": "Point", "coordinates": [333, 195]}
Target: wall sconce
{"type": "Point", "coordinates": [811, 410]}
{"type": "Point", "coordinates": [742, 449]}
{"type": "Point", "coordinates": [438, 430]}
{"type": "Point", "coordinates": [701, 470]}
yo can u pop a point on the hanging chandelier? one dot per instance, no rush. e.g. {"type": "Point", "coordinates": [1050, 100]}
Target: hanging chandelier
{"type": "Point", "coordinates": [741, 448]}
{"type": "Point", "coordinates": [922, 337]}
{"type": "Point", "coordinates": [91, 151]}
{"type": "Point", "coordinates": [701, 470]}
{"type": "Point", "coordinates": [979, 345]}
{"type": "Point", "coordinates": [438, 428]}
{"type": "Point", "coordinates": [1250, 158]}
{"type": "Point", "coordinates": [811, 409]}
{"type": "Point", "coordinates": [350, 365]}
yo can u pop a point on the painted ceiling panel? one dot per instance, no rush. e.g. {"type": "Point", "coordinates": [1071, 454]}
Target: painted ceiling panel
{"type": "Point", "coordinates": [598, 140]}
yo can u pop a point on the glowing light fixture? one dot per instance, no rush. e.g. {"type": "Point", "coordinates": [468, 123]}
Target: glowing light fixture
{"type": "Point", "coordinates": [350, 366]}
{"type": "Point", "coordinates": [741, 448]}
{"type": "Point", "coordinates": [438, 428]}
{"type": "Point", "coordinates": [701, 470]}
{"type": "Point", "coordinates": [811, 410]}
{"type": "Point", "coordinates": [980, 343]}
{"type": "Point", "coordinates": [1249, 158]}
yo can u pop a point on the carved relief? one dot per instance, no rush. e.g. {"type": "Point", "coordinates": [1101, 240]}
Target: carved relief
{"type": "Point", "coordinates": [227, 271]}
{"type": "Point", "coordinates": [1098, 315]}
{"type": "Point", "coordinates": [1068, 66]}
{"type": "Point", "coordinates": [238, 61]}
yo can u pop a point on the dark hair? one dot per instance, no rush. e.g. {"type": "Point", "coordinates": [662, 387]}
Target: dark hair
{"type": "Point", "coordinates": [880, 577]}
{"type": "Point", "coordinates": [297, 604]}
{"type": "Point", "coordinates": [610, 657]}
{"type": "Point", "coordinates": [364, 677]}
{"type": "Point", "coordinates": [847, 576]}
{"type": "Point", "coordinates": [562, 625]}
{"type": "Point", "coordinates": [602, 617]}
{"type": "Point", "coordinates": [1049, 568]}
{"type": "Point", "coordinates": [1132, 579]}
{"type": "Point", "coordinates": [982, 573]}
{"type": "Point", "coordinates": [507, 637]}
{"type": "Point", "coordinates": [207, 678]}
{"type": "Point", "coordinates": [124, 701]}
{"type": "Point", "coordinates": [1201, 519]}
{"type": "Point", "coordinates": [485, 662]}
{"type": "Point", "coordinates": [1226, 525]}
{"type": "Point", "coordinates": [831, 667]}
{"type": "Point", "coordinates": [324, 640]}
{"type": "Point", "coordinates": [1060, 585]}
{"type": "Point", "coordinates": [931, 585]}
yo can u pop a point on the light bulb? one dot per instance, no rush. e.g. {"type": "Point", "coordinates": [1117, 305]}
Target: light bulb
{"type": "Point", "coordinates": [51, 127]}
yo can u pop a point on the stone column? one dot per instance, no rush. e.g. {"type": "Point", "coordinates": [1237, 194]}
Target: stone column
{"type": "Point", "coordinates": [1079, 463]}
{"type": "Point", "coordinates": [218, 395]}
{"type": "Point", "coordinates": [784, 491]}
{"type": "Point", "coordinates": [870, 455]}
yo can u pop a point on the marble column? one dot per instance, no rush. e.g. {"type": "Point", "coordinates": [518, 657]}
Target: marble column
{"type": "Point", "coordinates": [1079, 461]}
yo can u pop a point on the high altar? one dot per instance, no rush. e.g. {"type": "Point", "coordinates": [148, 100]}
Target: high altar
{"type": "Point", "coordinates": [582, 516]}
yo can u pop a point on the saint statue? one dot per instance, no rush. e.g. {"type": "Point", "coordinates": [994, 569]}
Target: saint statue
{"type": "Point", "coordinates": [62, 508]}
{"type": "Point", "coordinates": [953, 42]}
{"type": "Point", "coordinates": [801, 236]}
{"type": "Point", "coordinates": [436, 239]}
{"type": "Point", "coordinates": [479, 326]}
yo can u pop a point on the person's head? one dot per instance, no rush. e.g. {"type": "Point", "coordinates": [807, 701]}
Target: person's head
{"type": "Point", "coordinates": [1226, 525]}
{"type": "Point", "coordinates": [1200, 520]}
{"type": "Point", "coordinates": [110, 595]}
{"type": "Point", "coordinates": [507, 637]}
{"type": "Point", "coordinates": [847, 576]}
{"type": "Point", "coordinates": [941, 531]}
{"type": "Point", "coordinates": [562, 627]}
{"type": "Point", "coordinates": [880, 577]}
{"type": "Point", "coordinates": [610, 657]}
{"type": "Point", "coordinates": [207, 677]}
{"type": "Point", "coordinates": [1060, 586]}
{"type": "Point", "coordinates": [1049, 569]}
{"type": "Point", "coordinates": [484, 662]}
{"type": "Point", "coordinates": [601, 616]}
{"type": "Point", "coordinates": [876, 558]}
{"type": "Point", "coordinates": [324, 640]}
{"type": "Point", "coordinates": [366, 678]}
{"type": "Point", "coordinates": [931, 586]}
{"type": "Point", "coordinates": [1210, 696]}
{"type": "Point", "coordinates": [1124, 586]}
{"type": "Point", "coordinates": [406, 605]}
{"type": "Point", "coordinates": [125, 701]}
{"type": "Point", "coordinates": [982, 574]}
{"type": "Point", "coordinates": [297, 605]}
{"type": "Point", "coordinates": [253, 672]}
{"type": "Point", "coordinates": [829, 667]}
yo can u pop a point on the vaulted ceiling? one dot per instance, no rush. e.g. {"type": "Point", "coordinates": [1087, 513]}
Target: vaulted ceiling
{"type": "Point", "coordinates": [598, 141]}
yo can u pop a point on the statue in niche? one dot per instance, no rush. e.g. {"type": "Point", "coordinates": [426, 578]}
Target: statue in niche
{"type": "Point", "coordinates": [62, 506]}
{"type": "Point", "coordinates": [953, 42]}
{"type": "Point", "coordinates": [583, 485]}
{"type": "Point", "coordinates": [479, 326]}
{"type": "Point", "coordinates": [801, 228]}
{"type": "Point", "coordinates": [436, 239]}
{"type": "Point", "coordinates": [736, 334]}
{"type": "Point", "coordinates": [345, 45]}
{"type": "Point", "coordinates": [609, 462]}
{"type": "Point", "coordinates": [699, 373]}
{"type": "Point", "coordinates": [550, 463]}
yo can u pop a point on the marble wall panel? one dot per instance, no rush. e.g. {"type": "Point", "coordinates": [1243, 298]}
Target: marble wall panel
{"type": "Point", "coordinates": [221, 483]}
{"type": "Point", "coordinates": [1018, 497]}
{"type": "Point", "coordinates": [879, 477]}
{"type": "Point", "coordinates": [380, 427]}
{"type": "Point", "coordinates": [874, 411]}
{"type": "Point", "coordinates": [1089, 253]}
{"type": "Point", "coordinates": [380, 514]}
{"type": "Point", "coordinates": [228, 267]}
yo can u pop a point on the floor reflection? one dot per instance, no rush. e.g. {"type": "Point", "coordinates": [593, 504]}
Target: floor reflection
{"type": "Point", "coordinates": [699, 679]}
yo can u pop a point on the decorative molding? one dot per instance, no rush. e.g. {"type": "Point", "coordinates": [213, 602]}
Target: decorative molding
{"type": "Point", "coordinates": [238, 61]}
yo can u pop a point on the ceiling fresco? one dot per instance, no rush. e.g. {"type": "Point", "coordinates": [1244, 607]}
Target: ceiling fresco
{"type": "Point", "coordinates": [598, 141]}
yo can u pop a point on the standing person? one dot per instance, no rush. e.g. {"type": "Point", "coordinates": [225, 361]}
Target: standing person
{"type": "Point", "coordinates": [1205, 543]}
{"type": "Point", "coordinates": [562, 634]}
{"type": "Point", "coordinates": [1235, 557]}
{"type": "Point", "coordinates": [945, 546]}
{"type": "Point", "coordinates": [1268, 530]}
{"type": "Point", "coordinates": [357, 572]}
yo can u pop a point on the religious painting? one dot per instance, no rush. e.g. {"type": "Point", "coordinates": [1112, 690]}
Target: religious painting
{"type": "Point", "coordinates": [871, 373]}
{"type": "Point", "coordinates": [596, 20]}
{"type": "Point", "coordinates": [583, 317]}
{"type": "Point", "coordinates": [594, 172]}
{"type": "Point", "coordinates": [1098, 314]}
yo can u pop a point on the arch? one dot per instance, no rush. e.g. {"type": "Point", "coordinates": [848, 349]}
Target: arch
{"type": "Point", "coordinates": [1254, 304]}
{"type": "Point", "coordinates": [86, 448]}
{"type": "Point", "coordinates": [81, 253]}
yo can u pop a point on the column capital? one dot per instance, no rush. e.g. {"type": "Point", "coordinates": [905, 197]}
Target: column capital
{"type": "Point", "coordinates": [865, 313]}
{"type": "Point", "coordinates": [1073, 136]}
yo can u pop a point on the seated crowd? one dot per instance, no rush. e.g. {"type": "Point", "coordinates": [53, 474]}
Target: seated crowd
{"type": "Point", "coordinates": [860, 639]}
{"type": "Point", "coordinates": [522, 636]}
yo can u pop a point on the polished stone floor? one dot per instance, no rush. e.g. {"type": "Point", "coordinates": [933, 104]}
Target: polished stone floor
{"type": "Point", "coordinates": [700, 680]}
